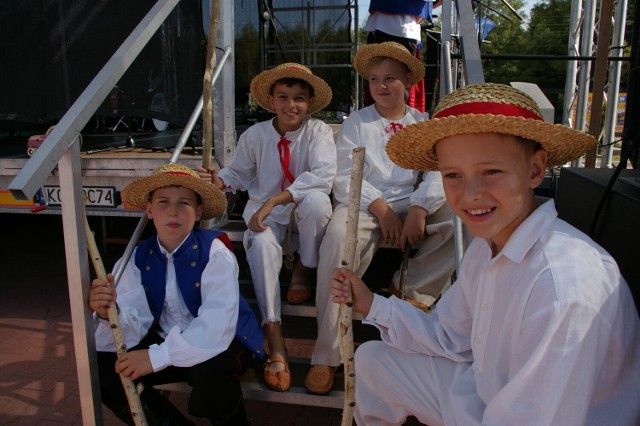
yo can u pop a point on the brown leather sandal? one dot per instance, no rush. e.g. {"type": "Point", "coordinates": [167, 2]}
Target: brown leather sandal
{"type": "Point", "coordinates": [299, 290]}
{"type": "Point", "coordinates": [278, 381]}
{"type": "Point", "coordinates": [319, 379]}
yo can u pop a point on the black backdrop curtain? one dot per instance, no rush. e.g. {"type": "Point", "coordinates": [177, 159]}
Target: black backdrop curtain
{"type": "Point", "coordinates": [50, 50]}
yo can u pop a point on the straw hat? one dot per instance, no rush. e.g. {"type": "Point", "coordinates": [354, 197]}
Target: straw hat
{"type": "Point", "coordinates": [261, 85]}
{"type": "Point", "coordinates": [136, 193]}
{"type": "Point", "coordinates": [387, 49]}
{"type": "Point", "coordinates": [485, 108]}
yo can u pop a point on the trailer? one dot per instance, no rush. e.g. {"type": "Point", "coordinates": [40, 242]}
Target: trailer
{"type": "Point", "coordinates": [136, 93]}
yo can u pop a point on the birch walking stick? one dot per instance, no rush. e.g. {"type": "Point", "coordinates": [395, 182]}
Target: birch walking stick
{"type": "Point", "coordinates": [207, 92]}
{"type": "Point", "coordinates": [131, 390]}
{"type": "Point", "coordinates": [402, 284]}
{"type": "Point", "coordinates": [348, 258]}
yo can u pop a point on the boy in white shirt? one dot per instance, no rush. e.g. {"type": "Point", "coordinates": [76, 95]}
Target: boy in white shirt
{"type": "Point", "coordinates": [391, 211]}
{"type": "Point", "coordinates": [399, 21]}
{"type": "Point", "coordinates": [179, 307]}
{"type": "Point", "coordinates": [540, 327]}
{"type": "Point", "coordinates": [287, 165]}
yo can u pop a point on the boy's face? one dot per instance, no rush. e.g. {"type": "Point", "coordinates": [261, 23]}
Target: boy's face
{"type": "Point", "coordinates": [174, 211]}
{"type": "Point", "coordinates": [388, 80]}
{"type": "Point", "coordinates": [489, 179]}
{"type": "Point", "coordinates": [290, 105]}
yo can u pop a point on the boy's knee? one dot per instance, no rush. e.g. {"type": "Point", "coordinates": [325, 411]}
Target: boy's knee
{"type": "Point", "coordinates": [259, 240]}
{"type": "Point", "coordinates": [317, 204]}
{"type": "Point", "coordinates": [367, 356]}
{"type": "Point", "coordinates": [332, 247]}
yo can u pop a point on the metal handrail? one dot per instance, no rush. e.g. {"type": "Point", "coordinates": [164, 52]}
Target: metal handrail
{"type": "Point", "coordinates": [37, 168]}
{"type": "Point", "coordinates": [175, 155]}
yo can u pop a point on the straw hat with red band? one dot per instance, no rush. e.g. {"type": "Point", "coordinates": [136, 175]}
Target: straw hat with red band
{"type": "Point", "coordinates": [485, 108]}
{"type": "Point", "coordinates": [261, 85]}
{"type": "Point", "coordinates": [388, 49]}
{"type": "Point", "coordinates": [137, 192]}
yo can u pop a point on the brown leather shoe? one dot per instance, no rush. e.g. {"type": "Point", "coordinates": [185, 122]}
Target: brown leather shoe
{"type": "Point", "coordinates": [278, 381]}
{"type": "Point", "coordinates": [394, 292]}
{"type": "Point", "coordinates": [319, 379]}
{"type": "Point", "coordinates": [299, 291]}
{"type": "Point", "coordinates": [300, 287]}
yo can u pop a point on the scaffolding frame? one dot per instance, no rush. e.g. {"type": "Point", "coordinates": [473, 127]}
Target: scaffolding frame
{"type": "Point", "coordinates": [307, 49]}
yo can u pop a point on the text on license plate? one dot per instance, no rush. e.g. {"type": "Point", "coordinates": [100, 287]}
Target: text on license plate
{"type": "Point", "coordinates": [95, 196]}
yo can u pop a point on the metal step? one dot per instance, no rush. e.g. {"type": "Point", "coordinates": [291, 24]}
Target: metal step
{"type": "Point", "coordinates": [301, 328]}
{"type": "Point", "coordinates": [254, 388]}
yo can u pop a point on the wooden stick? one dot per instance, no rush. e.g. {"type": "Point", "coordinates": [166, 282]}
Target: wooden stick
{"type": "Point", "coordinates": [207, 92]}
{"type": "Point", "coordinates": [402, 283]}
{"type": "Point", "coordinates": [348, 258]}
{"type": "Point", "coordinates": [132, 392]}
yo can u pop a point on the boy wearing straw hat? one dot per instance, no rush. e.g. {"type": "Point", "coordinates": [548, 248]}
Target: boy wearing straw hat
{"type": "Point", "coordinates": [179, 307]}
{"type": "Point", "coordinates": [391, 211]}
{"type": "Point", "coordinates": [399, 21]}
{"type": "Point", "coordinates": [287, 165]}
{"type": "Point", "coordinates": [540, 327]}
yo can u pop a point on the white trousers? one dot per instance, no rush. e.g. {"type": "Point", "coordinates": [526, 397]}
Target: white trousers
{"type": "Point", "coordinates": [392, 385]}
{"type": "Point", "coordinates": [429, 271]}
{"type": "Point", "coordinates": [264, 250]}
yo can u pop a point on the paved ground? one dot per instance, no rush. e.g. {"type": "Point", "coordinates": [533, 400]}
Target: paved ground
{"type": "Point", "coordinates": [38, 382]}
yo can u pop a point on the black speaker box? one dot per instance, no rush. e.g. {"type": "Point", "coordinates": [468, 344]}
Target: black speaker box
{"type": "Point", "coordinates": [617, 229]}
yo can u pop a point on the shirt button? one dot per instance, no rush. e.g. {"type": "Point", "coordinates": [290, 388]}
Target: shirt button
{"type": "Point", "coordinates": [484, 306]}
{"type": "Point", "coordinates": [477, 341]}
{"type": "Point", "coordinates": [193, 263]}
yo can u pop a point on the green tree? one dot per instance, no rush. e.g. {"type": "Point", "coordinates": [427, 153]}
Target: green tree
{"type": "Point", "coordinates": [546, 33]}
{"type": "Point", "coordinates": [506, 38]}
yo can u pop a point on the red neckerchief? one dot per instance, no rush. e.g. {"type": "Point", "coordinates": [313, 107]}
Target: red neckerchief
{"type": "Point", "coordinates": [393, 127]}
{"type": "Point", "coordinates": [285, 156]}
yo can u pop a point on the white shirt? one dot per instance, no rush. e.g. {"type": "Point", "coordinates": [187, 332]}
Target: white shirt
{"type": "Point", "coordinates": [256, 165]}
{"type": "Point", "coordinates": [406, 26]}
{"type": "Point", "coordinates": [188, 340]}
{"type": "Point", "coordinates": [548, 325]}
{"type": "Point", "coordinates": [381, 178]}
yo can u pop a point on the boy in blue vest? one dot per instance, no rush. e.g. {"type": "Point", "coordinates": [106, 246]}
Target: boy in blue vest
{"type": "Point", "coordinates": [179, 307]}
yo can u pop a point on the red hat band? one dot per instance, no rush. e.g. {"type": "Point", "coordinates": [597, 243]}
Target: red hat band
{"type": "Point", "coordinates": [491, 108]}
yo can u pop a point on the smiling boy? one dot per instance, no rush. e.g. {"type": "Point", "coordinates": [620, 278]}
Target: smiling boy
{"type": "Point", "coordinates": [179, 307]}
{"type": "Point", "coordinates": [540, 327]}
{"type": "Point", "coordinates": [392, 211]}
{"type": "Point", "coordinates": [287, 166]}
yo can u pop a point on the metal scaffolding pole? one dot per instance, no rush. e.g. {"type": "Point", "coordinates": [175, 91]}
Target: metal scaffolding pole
{"type": "Point", "coordinates": [572, 66]}
{"type": "Point", "coordinates": [617, 49]}
{"type": "Point", "coordinates": [584, 70]}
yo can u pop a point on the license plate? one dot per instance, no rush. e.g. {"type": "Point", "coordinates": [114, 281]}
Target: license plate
{"type": "Point", "coordinates": [95, 196]}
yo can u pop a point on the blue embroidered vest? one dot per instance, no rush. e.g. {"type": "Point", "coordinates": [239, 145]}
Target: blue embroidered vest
{"type": "Point", "coordinates": [418, 8]}
{"type": "Point", "coordinates": [189, 262]}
